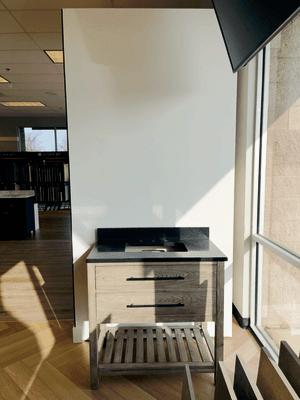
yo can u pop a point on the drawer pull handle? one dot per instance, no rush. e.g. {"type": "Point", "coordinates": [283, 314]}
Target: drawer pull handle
{"type": "Point", "coordinates": [154, 305]}
{"type": "Point", "coordinates": [158, 278]}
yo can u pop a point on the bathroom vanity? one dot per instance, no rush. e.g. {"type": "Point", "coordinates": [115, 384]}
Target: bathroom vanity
{"type": "Point", "coordinates": [138, 277]}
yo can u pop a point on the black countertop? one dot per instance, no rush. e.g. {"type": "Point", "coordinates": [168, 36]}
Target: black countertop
{"type": "Point", "coordinates": [112, 243]}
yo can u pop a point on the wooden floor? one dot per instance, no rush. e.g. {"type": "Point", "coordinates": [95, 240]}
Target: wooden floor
{"type": "Point", "coordinates": [292, 336]}
{"type": "Point", "coordinates": [36, 274]}
{"type": "Point", "coordinates": [38, 360]}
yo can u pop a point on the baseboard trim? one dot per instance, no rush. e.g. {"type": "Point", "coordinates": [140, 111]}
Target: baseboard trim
{"type": "Point", "coordinates": [81, 332]}
{"type": "Point", "coordinates": [243, 322]}
{"type": "Point", "coordinates": [77, 334]}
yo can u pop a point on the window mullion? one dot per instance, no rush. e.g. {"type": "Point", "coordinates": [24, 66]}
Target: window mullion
{"type": "Point", "coordinates": [55, 138]}
{"type": "Point", "coordinates": [286, 255]}
{"type": "Point", "coordinates": [263, 139]}
{"type": "Point", "coordinates": [255, 262]}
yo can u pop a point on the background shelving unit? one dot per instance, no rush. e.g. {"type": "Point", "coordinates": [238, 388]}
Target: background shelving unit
{"type": "Point", "coordinates": [47, 173]}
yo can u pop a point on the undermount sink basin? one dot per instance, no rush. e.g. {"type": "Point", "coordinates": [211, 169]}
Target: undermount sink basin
{"type": "Point", "coordinates": [155, 248]}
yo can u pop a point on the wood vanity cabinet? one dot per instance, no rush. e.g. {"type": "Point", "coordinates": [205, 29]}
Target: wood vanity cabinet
{"type": "Point", "coordinates": [136, 293]}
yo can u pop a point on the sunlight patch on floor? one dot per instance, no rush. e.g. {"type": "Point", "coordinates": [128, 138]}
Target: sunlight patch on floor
{"type": "Point", "coordinates": [22, 291]}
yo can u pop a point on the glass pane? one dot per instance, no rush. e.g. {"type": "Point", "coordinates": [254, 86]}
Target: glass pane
{"type": "Point", "coordinates": [62, 140]}
{"type": "Point", "coordinates": [39, 140]}
{"type": "Point", "coordinates": [282, 177]}
{"type": "Point", "coordinates": [280, 293]}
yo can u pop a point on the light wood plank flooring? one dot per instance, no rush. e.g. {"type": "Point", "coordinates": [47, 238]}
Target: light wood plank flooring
{"type": "Point", "coordinates": [38, 360]}
{"type": "Point", "coordinates": [36, 274]}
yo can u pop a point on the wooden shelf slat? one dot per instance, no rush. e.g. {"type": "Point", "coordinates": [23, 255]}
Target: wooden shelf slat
{"type": "Point", "coordinates": [129, 347]}
{"type": "Point", "coordinates": [140, 346]}
{"type": "Point", "coordinates": [109, 348]}
{"type": "Point", "coordinates": [181, 346]}
{"type": "Point", "coordinates": [160, 345]}
{"type": "Point", "coordinates": [191, 345]}
{"type": "Point", "coordinates": [150, 346]}
{"type": "Point", "coordinates": [170, 344]}
{"type": "Point", "coordinates": [201, 345]}
{"type": "Point", "coordinates": [119, 346]}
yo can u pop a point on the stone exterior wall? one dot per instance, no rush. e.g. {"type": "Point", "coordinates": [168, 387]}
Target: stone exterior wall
{"type": "Point", "coordinates": [281, 281]}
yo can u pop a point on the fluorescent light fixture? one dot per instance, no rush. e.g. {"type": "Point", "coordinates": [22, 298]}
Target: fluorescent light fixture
{"type": "Point", "coordinates": [56, 56]}
{"type": "Point", "coordinates": [3, 80]}
{"type": "Point", "coordinates": [22, 104]}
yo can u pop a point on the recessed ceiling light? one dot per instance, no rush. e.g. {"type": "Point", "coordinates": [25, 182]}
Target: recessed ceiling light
{"type": "Point", "coordinates": [56, 56]}
{"type": "Point", "coordinates": [3, 80]}
{"type": "Point", "coordinates": [22, 104]}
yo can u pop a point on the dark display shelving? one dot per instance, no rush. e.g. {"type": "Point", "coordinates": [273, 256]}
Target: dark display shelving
{"type": "Point", "coordinates": [47, 173]}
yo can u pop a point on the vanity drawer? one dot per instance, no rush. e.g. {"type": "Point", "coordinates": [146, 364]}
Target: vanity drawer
{"type": "Point", "coordinates": [193, 305]}
{"type": "Point", "coordinates": [138, 277]}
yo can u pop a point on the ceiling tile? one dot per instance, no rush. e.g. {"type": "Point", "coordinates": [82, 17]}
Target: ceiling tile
{"type": "Point", "coordinates": [48, 104]}
{"type": "Point", "coordinates": [7, 87]}
{"type": "Point", "coordinates": [12, 94]}
{"type": "Point", "coordinates": [20, 94]}
{"type": "Point", "coordinates": [33, 93]}
{"type": "Point", "coordinates": [17, 41]}
{"type": "Point", "coordinates": [61, 112]}
{"type": "Point", "coordinates": [38, 110]}
{"type": "Point", "coordinates": [54, 4]}
{"type": "Point", "coordinates": [23, 56]}
{"type": "Point", "coordinates": [30, 112]}
{"type": "Point", "coordinates": [86, 3]}
{"type": "Point", "coordinates": [41, 86]}
{"type": "Point", "coordinates": [20, 98]}
{"type": "Point", "coordinates": [54, 95]}
{"type": "Point", "coordinates": [26, 78]}
{"type": "Point", "coordinates": [57, 104]}
{"type": "Point", "coordinates": [55, 101]}
{"type": "Point", "coordinates": [60, 68]}
{"type": "Point", "coordinates": [35, 112]}
{"type": "Point", "coordinates": [7, 112]}
{"type": "Point", "coordinates": [158, 3]}
{"type": "Point", "coordinates": [29, 69]}
{"type": "Point", "coordinates": [39, 21]}
{"type": "Point", "coordinates": [48, 41]}
{"type": "Point", "coordinates": [8, 24]}
{"type": "Point", "coordinates": [56, 109]}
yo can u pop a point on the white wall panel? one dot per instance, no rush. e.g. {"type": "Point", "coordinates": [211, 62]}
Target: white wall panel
{"type": "Point", "coordinates": [151, 104]}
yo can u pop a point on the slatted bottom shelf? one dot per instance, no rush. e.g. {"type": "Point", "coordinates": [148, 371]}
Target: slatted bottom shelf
{"type": "Point", "coordinates": [155, 350]}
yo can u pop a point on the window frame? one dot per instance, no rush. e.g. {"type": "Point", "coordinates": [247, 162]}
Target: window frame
{"type": "Point", "coordinates": [257, 239]}
{"type": "Point", "coordinates": [55, 129]}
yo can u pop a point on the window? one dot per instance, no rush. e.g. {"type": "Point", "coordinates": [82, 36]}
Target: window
{"type": "Point", "coordinates": [48, 139]}
{"type": "Point", "coordinates": [276, 237]}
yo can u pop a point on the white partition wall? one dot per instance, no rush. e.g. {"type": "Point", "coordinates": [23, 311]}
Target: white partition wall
{"type": "Point", "coordinates": [151, 106]}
